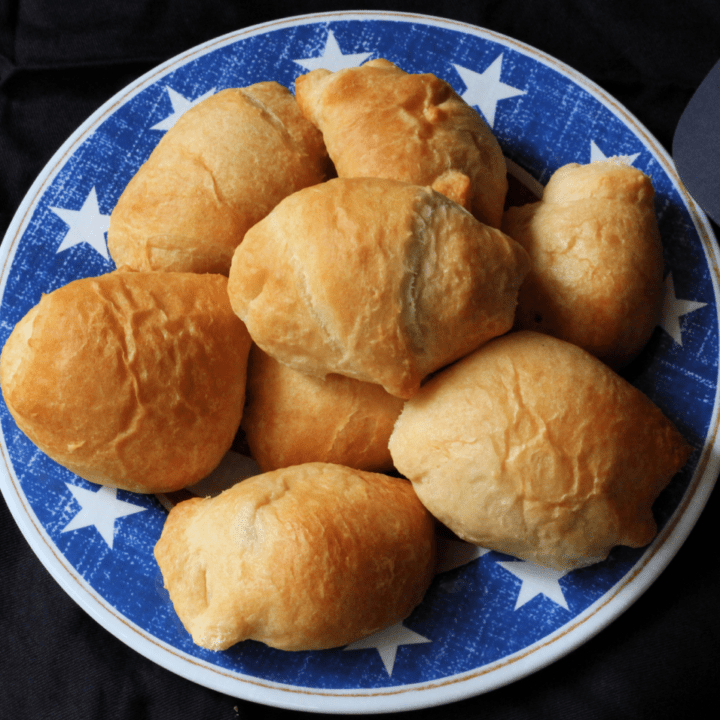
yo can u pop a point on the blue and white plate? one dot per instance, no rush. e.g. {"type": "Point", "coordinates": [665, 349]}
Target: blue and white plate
{"type": "Point", "coordinates": [483, 623]}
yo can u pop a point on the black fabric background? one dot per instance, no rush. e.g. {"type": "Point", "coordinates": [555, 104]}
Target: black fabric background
{"type": "Point", "coordinates": [59, 61]}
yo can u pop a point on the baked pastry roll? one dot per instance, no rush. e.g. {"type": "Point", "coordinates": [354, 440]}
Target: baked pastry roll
{"type": "Point", "coordinates": [374, 279]}
{"type": "Point", "coordinates": [304, 558]}
{"type": "Point", "coordinates": [379, 121]}
{"type": "Point", "coordinates": [135, 380]}
{"type": "Point", "coordinates": [222, 167]}
{"type": "Point", "coordinates": [531, 446]}
{"type": "Point", "coordinates": [292, 418]}
{"type": "Point", "coordinates": [596, 275]}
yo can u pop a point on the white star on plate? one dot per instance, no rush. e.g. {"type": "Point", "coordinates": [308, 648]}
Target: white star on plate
{"type": "Point", "coordinates": [87, 225]}
{"type": "Point", "coordinates": [332, 57]}
{"type": "Point", "coordinates": [485, 90]}
{"type": "Point", "coordinates": [101, 509]}
{"type": "Point", "coordinates": [386, 642]}
{"type": "Point", "coordinates": [596, 154]}
{"type": "Point", "coordinates": [674, 309]}
{"type": "Point", "coordinates": [180, 105]}
{"type": "Point", "coordinates": [536, 580]}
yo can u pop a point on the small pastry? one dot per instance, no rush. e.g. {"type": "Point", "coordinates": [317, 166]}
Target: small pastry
{"type": "Point", "coordinates": [134, 380]}
{"type": "Point", "coordinates": [222, 167]}
{"type": "Point", "coordinates": [374, 279]}
{"type": "Point", "coordinates": [309, 557]}
{"type": "Point", "coordinates": [291, 418]}
{"type": "Point", "coordinates": [531, 446]}
{"type": "Point", "coordinates": [596, 276]}
{"type": "Point", "coordinates": [379, 121]}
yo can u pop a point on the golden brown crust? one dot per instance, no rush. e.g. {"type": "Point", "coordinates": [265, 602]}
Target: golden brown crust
{"type": "Point", "coordinates": [597, 260]}
{"type": "Point", "coordinates": [292, 418]}
{"type": "Point", "coordinates": [222, 167]}
{"type": "Point", "coordinates": [305, 558]}
{"type": "Point", "coordinates": [379, 121]}
{"type": "Point", "coordinates": [134, 380]}
{"type": "Point", "coordinates": [532, 447]}
{"type": "Point", "coordinates": [374, 279]}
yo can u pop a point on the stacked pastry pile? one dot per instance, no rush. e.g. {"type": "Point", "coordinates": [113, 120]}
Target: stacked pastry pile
{"type": "Point", "coordinates": [371, 267]}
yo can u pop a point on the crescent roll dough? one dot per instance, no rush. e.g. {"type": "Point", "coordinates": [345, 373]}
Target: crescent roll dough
{"type": "Point", "coordinates": [135, 380]}
{"type": "Point", "coordinates": [292, 418]}
{"type": "Point", "coordinates": [596, 275]}
{"type": "Point", "coordinates": [379, 121]}
{"type": "Point", "coordinates": [222, 167]}
{"type": "Point", "coordinates": [531, 446]}
{"type": "Point", "coordinates": [374, 279]}
{"type": "Point", "coordinates": [305, 558]}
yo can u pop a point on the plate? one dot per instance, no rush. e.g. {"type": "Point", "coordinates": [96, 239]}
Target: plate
{"type": "Point", "coordinates": [487, 619]}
